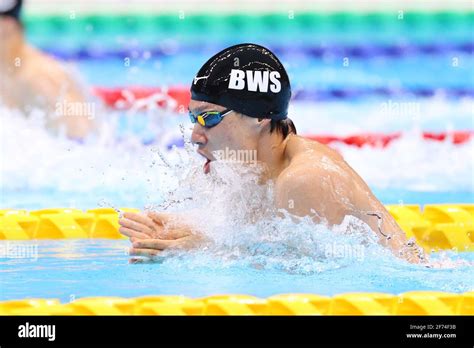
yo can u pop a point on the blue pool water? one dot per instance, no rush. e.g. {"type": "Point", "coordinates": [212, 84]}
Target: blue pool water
{"type": "Point", "coordinates": [117, 169]}
{"type": "Point", "coordinates": [46, 198]}
{"type": "Point", "coordinates": [304, 72]}
{"type": "Point", "coordinates": [73, 269]}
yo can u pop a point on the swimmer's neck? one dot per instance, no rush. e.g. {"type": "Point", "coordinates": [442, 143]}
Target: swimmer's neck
{"type": "Point", "coordinates": [273, 152]}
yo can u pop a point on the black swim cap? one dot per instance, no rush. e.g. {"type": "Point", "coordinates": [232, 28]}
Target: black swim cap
{"type": "Point", "coordinates": [246, 78]}
{"type": "Point", "coordinates": [10, 8]}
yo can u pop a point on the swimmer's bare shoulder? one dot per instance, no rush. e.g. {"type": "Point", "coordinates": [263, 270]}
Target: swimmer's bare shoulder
{"type": "Point", "coordinates": [309, 181]}
{"type": "Point", "coordinates": [45, 74]}
{"type": "Point", "coordinates": [49, 84]}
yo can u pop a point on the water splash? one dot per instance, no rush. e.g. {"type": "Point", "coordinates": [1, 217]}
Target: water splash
{"type": "Point", "coordinates": [237, 215]}
{"type": "Point", "coordinates": [34, 159]}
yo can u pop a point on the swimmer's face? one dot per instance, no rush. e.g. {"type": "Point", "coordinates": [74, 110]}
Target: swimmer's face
{"type": "Point", "coordinates": [234, 132]}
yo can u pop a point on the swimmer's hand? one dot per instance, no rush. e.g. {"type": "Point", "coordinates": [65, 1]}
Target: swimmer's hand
{"type": "Point", "coordinates": [153, 232]}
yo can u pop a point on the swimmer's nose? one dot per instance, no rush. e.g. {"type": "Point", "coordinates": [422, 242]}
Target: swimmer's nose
{"type": "Point", "coordinates": [198, 137]}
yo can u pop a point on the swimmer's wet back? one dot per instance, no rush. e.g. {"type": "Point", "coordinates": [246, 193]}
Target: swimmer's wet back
{"type": "Point", "coordinates": [246, 78]}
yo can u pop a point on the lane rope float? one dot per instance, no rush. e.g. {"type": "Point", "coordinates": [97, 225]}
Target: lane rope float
{"type": "Point", "coordinates": [357, 303]}
{"type": "Point", "coordinates": [316, 52]}
{"type": "Point", "coordinates": [437, 227]}
{"type": "Point", "coordinates": [177, 97]}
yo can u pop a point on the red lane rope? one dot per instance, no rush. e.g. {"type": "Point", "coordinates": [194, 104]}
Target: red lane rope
{"type": "Point", "coordinates": [178, 98]}
{"type": "Point", "coordinates": [382, 140]}
{"type": "Point", "coordinates": [123, 98]}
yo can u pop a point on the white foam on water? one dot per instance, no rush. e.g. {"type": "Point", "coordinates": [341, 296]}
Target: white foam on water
{"type": "Point", "coordinates": [413, 163]}
{"type": "Point", "coordinates": [33, 158]}
{"type": "Point", "coordinates": [382, 115]}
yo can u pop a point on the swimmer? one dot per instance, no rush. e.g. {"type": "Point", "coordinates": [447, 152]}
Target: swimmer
{"type": "Point", "coordinates": [239, 100]}
{"type": "Point", "coordinates": [32, 79]}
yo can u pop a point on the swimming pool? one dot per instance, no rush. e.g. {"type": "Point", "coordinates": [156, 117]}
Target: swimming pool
{"type": "Point", "coordinates": [377, 74]}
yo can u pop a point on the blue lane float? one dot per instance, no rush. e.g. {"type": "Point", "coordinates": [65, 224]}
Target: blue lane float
{"type": "Point", "coordinates": [360, 51]}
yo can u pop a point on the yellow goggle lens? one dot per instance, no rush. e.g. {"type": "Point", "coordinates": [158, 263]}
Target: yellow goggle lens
{"type": "Point", "coordinates": [201, 121]}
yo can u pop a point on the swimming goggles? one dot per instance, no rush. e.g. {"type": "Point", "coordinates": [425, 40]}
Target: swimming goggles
{"type": "Point", "coordinates": [209, 118]}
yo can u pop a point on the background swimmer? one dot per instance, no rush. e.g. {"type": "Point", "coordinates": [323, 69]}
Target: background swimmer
{"type": "Point", "coordinates": [32, 79]}
{"type": "Point", "coordinates": [240, 102]}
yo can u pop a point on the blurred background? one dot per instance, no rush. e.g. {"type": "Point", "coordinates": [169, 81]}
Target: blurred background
{"type": "Point", "coordinates": [389, 84]}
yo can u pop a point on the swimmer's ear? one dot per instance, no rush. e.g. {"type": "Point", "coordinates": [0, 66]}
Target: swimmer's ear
{"type": "Point", "coordinates": [262, 124]}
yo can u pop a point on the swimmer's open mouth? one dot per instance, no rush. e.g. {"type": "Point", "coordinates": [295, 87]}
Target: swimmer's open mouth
{"type": "Point", "coordinates": [207, 165]}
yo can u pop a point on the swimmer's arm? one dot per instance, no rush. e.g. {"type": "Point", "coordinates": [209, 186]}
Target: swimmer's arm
{"type": "Point", "coordinates": [389, 232]}
{"type": "Point", "coordinates": [365, 206]}
{"type": "Point", "coordinates": [301, 194]}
